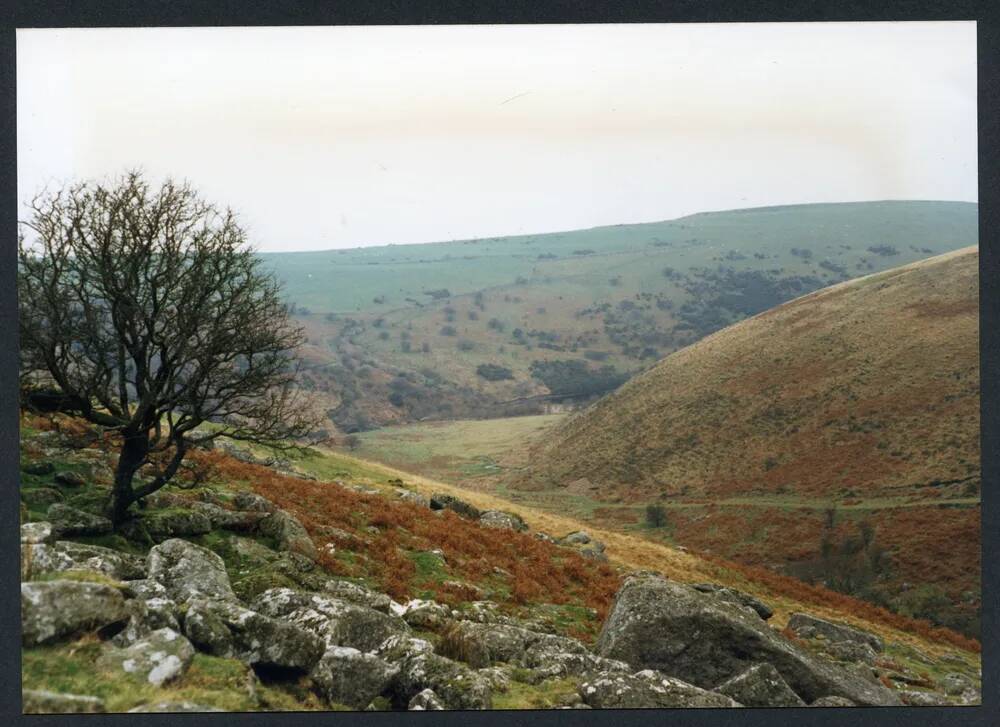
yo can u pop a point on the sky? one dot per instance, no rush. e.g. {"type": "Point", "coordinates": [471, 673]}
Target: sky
{"type": "Point", "coordinates": [337, 137]}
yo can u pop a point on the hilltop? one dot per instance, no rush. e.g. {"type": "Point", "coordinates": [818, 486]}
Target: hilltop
{"type": "Point", "coordinates": [485, 327]}
{"type": "Point", "coordinates": [835, 437]}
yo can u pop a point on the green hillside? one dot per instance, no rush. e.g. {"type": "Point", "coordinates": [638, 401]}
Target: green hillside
{"type": "Point", "coordinates": [418, 321]}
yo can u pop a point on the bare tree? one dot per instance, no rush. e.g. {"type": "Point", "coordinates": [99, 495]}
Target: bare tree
{"type": "Point", "coordinates": [151, 315]}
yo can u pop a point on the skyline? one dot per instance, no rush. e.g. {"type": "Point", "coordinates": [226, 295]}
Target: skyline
{"type": "Point", "coordinates": [333, 138]}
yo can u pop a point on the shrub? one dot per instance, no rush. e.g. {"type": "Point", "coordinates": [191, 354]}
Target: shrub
{"type": "Point", "coordinates": [656, 516]}
{"type": "Point", "coordinates": [466, 345]}
{"type": "Point", "coordinates": [494, 372]}
{"type": "Point", "coordinates": [449, 331]}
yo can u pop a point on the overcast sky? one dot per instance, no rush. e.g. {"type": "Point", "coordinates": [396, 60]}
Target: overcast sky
{"type": "Point", "coordinates": [341, 137]}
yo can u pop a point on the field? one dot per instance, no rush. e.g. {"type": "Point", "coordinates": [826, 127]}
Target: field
{"type": "Point", "coordinates": [399, 333]}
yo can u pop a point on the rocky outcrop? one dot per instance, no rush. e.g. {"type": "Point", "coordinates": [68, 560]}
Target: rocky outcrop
{"type": "Point", "coordinates": [172, 523]}
{"type": "Point", "coordinates": [348, 676]}
{"type": "Point", "coordinates": [648, 689]}
{"type": "Point", "coordinates": [68, 520]}
{"type": "Point", "coordinates": [456, 685]}
{"type": "Point", "coordinates": [444, 501]}
{"type": "Point", "coordinates": [189, 571]}
{"type": "Point", "coordinates": [52, 610]}
{"type": "Point", "coordinates": [162, 656]}
{"type": "Point", "coordinates": [288, 532]}
{"type": "Point", "coordinates": [760, 686]}
{"type": "Point", "coordinates": [738, 597]}
{"type": "Point", "coordinates": [502, 520]}
{"type": "Point", "coordinates": [426, 700]}
{"type": "Point", "coordinates": [362, 596]}
{"type": "Point", "coordinates": [673, 628]}
{"type": "Point", "coordinates": [253, 502]}
{"type": "Point", "coordinates": [66, 555]}
{"type": "Point", "coordinates": [335, 621]}
{"type": "Point", "coordinates": [145, 617]}
{"type": "Point", "coordinates": [807, 627]}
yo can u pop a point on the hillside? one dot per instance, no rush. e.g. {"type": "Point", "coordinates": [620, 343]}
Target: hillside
{"type": "Point", "coordinates": [400, 333]}
{"type": "Point", "coordinates": [326, 582]}
{"type": "Point", "coordinates": [857, 403]}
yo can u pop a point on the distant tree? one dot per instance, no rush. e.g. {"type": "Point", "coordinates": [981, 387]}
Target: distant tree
{"type": "Point", "coordinates": [352, 441]}
{"type": "Point", "coordinates": [145, 311]}
{"type": "Point", "coordinates": [656, 516]}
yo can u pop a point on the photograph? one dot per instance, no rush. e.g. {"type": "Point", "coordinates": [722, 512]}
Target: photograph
{"type": "Point", "coordinates": [498, 367]}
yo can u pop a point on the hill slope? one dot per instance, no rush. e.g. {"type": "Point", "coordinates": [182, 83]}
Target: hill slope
{"type": "Point", "coordinates": [862, 397]}
{"type": "Point", "coordinates": [399, 333]}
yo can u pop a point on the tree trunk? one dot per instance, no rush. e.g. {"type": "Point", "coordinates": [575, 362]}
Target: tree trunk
{"type": "Point", "coordinates": [130, 459]}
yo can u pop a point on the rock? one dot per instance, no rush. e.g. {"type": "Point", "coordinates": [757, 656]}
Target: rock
{"type": "Point", "coordinates": [347, 676]}
{"type": "Point", "coordinates": [335, 621]}
{"type": "Point", "coordinates": [502, 520]}
{"type": "Point", "coordinates": [414, 498]}
{"type": "Point", "coordinates": [70, 479]}
{"type": "Point", "coordinates": [34, 533]}
{"type": "Point", "coordinates": [41, 496]}
{"type": "Point", "coordinates": [658, 624]}
{"type": "Point", "coordinates": [160, 657]}
{"type": "Point", "coordinates": [808, 626]}
{"type": "Point", "coordinates": [168, 706]}
{"type": "Point", "coordinates": [923, 699]}
{"type": "Point", "coordinates": [558, 656]}
{"type": "Point", "coordinates": [65, 555]}
{"type": "Point", "coordinates": [253, 502]}
{"type": "Point", "coordinates": [443, 501]}
{"type": "Point", "coordinates": [955, 683]}
{"type": "Point", "coordinates": [144, 588]}
{"type": "Point", "coordinates": [68, 520]}
{"type": "Point", "coordinates": [498, 677]}
{"type": "Point", "coordinates": [51, 610]}
{"type": "Point", "coordinates": [456, 685]}
{"type": "Point", "coordinates": [851, 651]}
{"type": "Point", "coordinates": [545, 537]}
{"type": "Point", "coordinates": [361, 595]}
{"type": "Point", "coordinates": [647, 689]}
{"type": "Point", "coordinates": [734, 596]}
{"type": "Point", "coordinates": [189, 571]}
{"type": "Point", "coordinates": [36, 701]}
{"type": "Point", "coordinates": [489, 643]}
{"type": "Point", "coordinates": [426, 700]}
{"type": "Point", "coordinates": [594, 553]}
{"type": "Point", "coordinates": [145, 617]}
{"type": "Point", "coordinates": [253, 638]}
{"type": "Point", "coordinates": [163, 524]}
{"type": "Point", "coordinates": [760, 686]}
{"type": "Point", "coordinates": [833, 702]}
{"type": "Point", "coordinates": [38, 468]}
{"type": "Point", "coordinates": [484, 612]}
{"type": "Point", "coordinates": [289, 532]}
{"type": "Point", "coordinates": [429, 615]}
{"type": "Point", "coordinates": [577, 537]}
{"type": "Point", "coordinates": [236, 520]}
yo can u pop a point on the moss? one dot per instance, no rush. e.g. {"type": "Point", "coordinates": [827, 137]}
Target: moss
{"type": "Point", "coordinates": [83, 576]}
{"type": "Point", "coordinates": [546, 695]}
{"type": "Point", "coordinates": [429, 567]}
{"type": "Point", "coordinates": [253, 585]}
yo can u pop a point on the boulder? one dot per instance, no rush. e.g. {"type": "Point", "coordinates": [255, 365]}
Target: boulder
{"type": "Point", "coordinates": [456, 685]}
{"type": "Point", "coordinates": [144, 588]}
{"type": "Point", "coordinates": [38, 468]}
{"type": "Point", "coordinates": [175, 522]}
{"type": "Point", "coordinates": [489, 643]}
{"type": "Point", "coordinates": [851, 651]}
{"type": "Point", "coordinates": [162, 656]}
{"type": "Point", "coordinates": [657, 624]}
{"type": "Point", "coordinates": [577, 537]}
{"type": "Point", "coordinates": [41, 496]}
{"type": "Point", "coordinates": [760, 686]}
{"type": "Point", "coordinates": [502, 520]}
{"type": "Point", "coordinates": [189, 571]}
{"type": "Point", "coordinates": [70, 478]}
{"type": "Point", "coordinates": [66, 555]}
{"type": "Point", "coordinates": [916, 698]}
{"type": "Point", "coordinates": [558, 656]}
{"type": "Point", "coordinates": [38, 701]}
{"type": "Point", "coordinates": [647, 689]}
{"type": "Point", "coordinates": [168, 706]}
{"type": "Point", "coordinates": [429, 615]}
{"type": "Point", "coordinates": [335, 621]}
{"type": "Point", "coordinates": [808, 626]}
{"type": "Point", "coordinates": [145, 617]}
{"type": "Point", "coordinates": [227, 629]}
{"type": "Point", "coordinates": [594, 553]}
{"type": "Point", "coordinates": [414, 498]}
{"type": "Point", "coordinates": [362, 595]}
{"type": "Point", "coordinates": [734, 596]}
{"type": "Point", "coordinates": [443, 501]}
{"type": "Point", "coordinates": [288, 532]}
{"type": "Point", "coordinates": [52, 610]}
{"type": "Point", "coordinates": [68, 520]}
{"type": "Point", "coordinates": [350, 677]}
{"type": "Point", "coordinates": [833, 702]}
{"type": "Point", "coordinates": [426, 700]}
{"type": "Point", "coordinates": [955, 683]}
{"type": "Point", "coordinates": [235, 520]}
{"type": "Point", "coordinates": [253, 502]}
{"type": "Point", "coordinates": [34, 533]}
